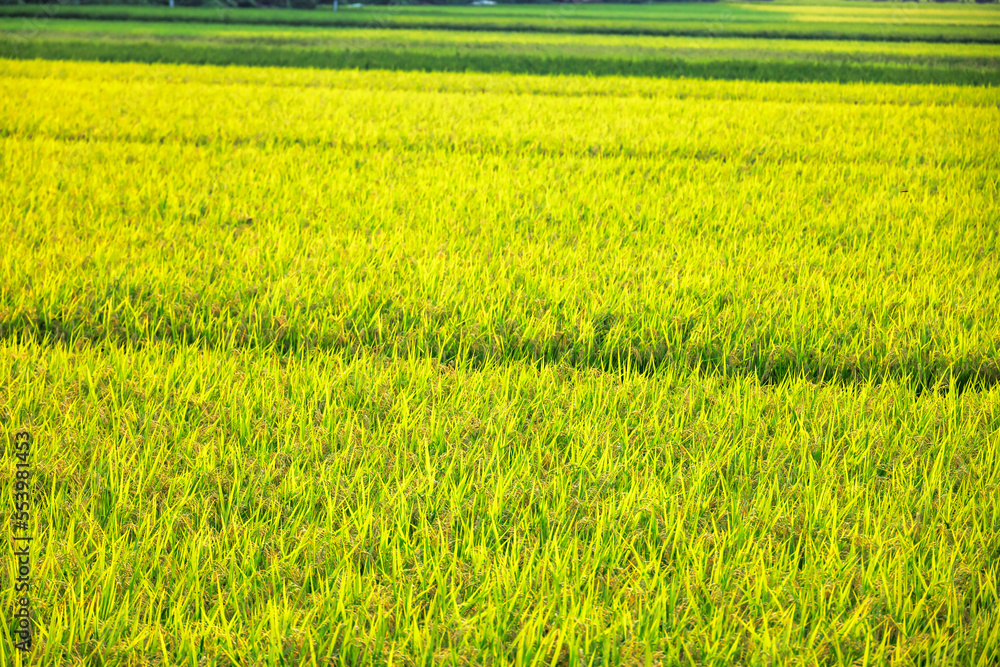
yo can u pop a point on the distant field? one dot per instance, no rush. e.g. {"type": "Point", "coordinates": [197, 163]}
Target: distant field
{"type": "Point", "coordinates": [518, 52]}
{"type": "Point", "coordinates": [843, 19]}
{"type": "Point", "coordinates": [404, 368]}
{"type": "Point", "coordinates": [846, 42]}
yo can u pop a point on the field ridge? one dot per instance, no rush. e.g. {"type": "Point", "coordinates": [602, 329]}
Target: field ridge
{"type": "Point", "coordinates": [764, 358]}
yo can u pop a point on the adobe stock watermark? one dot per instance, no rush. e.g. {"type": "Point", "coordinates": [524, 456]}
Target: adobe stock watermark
{"type": "Point", "coordinates": [692, 41]}
{"type": "Point", "coordinates": [21, 541]}
{"type": "Point", "coordinates": [718, 27]}
{"type": "Point", "coordinates": [564, 10]}
{"type": "Point", "coordinates": [30, 27]}
{"type": "Point", "coordinates": [362, 35]}
{"type": "Point", "coordinates": [901, 15]}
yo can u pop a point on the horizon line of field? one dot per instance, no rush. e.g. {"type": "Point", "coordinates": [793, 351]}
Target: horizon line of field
{"type": "Point", "coordinates": [770, 363]}
{"type": "Point", "coordinates": [778, 71]}
{"type": "Point", "coordinates": [712, 29]}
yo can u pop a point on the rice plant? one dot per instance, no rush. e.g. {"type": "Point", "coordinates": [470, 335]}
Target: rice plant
{"type": "Point", "coordinates": [341, 367]}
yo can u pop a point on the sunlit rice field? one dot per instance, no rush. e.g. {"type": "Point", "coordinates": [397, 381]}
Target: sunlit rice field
{"type": "Point", "coordinates": [408, 368]}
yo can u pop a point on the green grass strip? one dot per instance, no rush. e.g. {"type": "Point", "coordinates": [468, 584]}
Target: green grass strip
{"type": "Point", "coordinates": [404, 59]}
{"type": "Point", "coordinates": [711, 20]}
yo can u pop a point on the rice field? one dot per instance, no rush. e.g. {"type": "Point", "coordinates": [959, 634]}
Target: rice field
{"type": "Point", "coordinates": [343, 367]}
{"type": "Point", "coordinates": [888, 20]}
